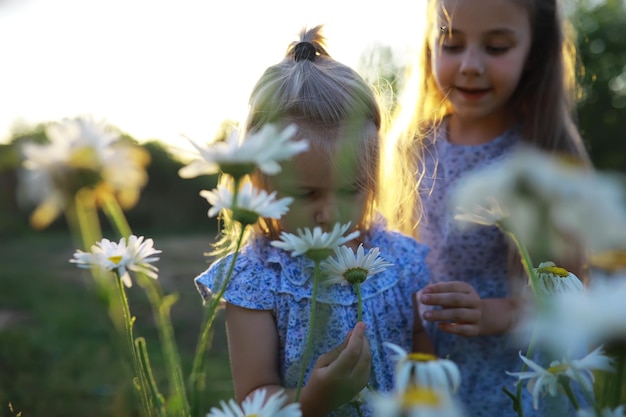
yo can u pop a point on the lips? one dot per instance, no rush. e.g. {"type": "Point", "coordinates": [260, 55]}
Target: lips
{"type": "Point", "coordinates": [472, 94]}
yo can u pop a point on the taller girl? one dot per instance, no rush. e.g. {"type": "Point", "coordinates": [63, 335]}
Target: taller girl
{"type": "Point", "coordinates": [493, 74]}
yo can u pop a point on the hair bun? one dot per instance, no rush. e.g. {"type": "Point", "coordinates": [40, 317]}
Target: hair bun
{"type": "Point", "coordinates": [305, 50]}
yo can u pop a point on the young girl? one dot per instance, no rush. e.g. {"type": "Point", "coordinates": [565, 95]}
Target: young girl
{"type": "Point", "coordinates": [493, 74]}
{"type": "Point", "coordinates": [268, 300]}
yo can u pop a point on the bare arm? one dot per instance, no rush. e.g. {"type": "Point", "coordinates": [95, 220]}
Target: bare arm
{"type": "Point", "coordinates": [253, 347]}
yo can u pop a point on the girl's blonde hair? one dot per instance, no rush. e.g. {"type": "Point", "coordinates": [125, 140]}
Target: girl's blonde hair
{"type": "Point", "coordinates": [545, 99]}
{"type": "Point", "coordinates": [310, 88]}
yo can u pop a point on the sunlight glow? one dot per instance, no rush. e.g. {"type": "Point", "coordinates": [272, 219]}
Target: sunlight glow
{"type": "Point", "coordinates": [160, 69]}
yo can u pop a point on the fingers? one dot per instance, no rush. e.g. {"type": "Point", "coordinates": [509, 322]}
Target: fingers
{"type": "Point", "coordinates": [356, 356]}
{"type": "Point", "coordinates": [451, 286]}
{"type": "Point", "coordinates": [468, 330]}
{"type": "Point", "coordinates": [450, 295]}
{"type": "Point", "coordinates": [456, 315]}
{"type": "Point", "coordinates": [329, 357]}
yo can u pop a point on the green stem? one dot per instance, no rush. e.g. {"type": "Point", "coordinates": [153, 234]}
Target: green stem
{"type": "Point", "coordinates": [309, 341]}
{"type": "Point", "coordinates": [620, 368]}
{"type": "Point", "coordinates": [197, 376]}
{"type": "Point", "coordinates": [358, 409]}
{"type": "Point", "coordinates": [195, 381]}
{"type": "Point", "coordinates": [359, 313]}
{"type": "Point", "coordinates": [129, 322]}
{"type": "Point", "coordinates": [589, 396]}
{"type": "Point", "coordinates": [116, 216]}
{"type": "Point", "coordinates": [161, 309]}
{"type": "Point", "coordinates": [83, 215]}
{"type": "Point", "coordinates": [144, 361]}
{"type": "Point", "coordinates": [532, 279]}
{"type": "Point", "coordinates": [568, 391]}
{"type": "Point", "coordinates": [527, 264]}
{"type": "Point", "coordinates": [518, 387]}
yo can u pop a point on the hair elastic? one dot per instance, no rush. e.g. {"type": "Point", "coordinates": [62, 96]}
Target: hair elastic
{"type": "Point", "coordinates": [305, 50]}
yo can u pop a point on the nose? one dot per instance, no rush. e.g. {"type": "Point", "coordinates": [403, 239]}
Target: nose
{"type": "Point", "coordinates": [327, 212]}
{"type": "Point", "coordinates": [471, 62]}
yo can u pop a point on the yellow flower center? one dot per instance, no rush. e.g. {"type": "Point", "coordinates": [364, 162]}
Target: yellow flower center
{"type": "Point", "coordinates": [419, 396]}
{"type": "Point", "coordinates": [251, 415]}
{"type": "Point", "coordinates": [115, 259]}
{"type": "Point", "coordinates": [558, 369]}
{"type": "Point", "coordinates": [421, 357]}
{"type": "Point", "coordinates": [554, 270]}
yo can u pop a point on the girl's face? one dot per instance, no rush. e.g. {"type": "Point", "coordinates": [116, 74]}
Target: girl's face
{"type": "Point", "coordinates": [326, 189]}
{"type": "Point", "coordinates": [479, 53]}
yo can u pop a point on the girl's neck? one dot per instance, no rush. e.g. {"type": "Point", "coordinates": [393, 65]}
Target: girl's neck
{"type": "Point", "coordinates": [476, 131]}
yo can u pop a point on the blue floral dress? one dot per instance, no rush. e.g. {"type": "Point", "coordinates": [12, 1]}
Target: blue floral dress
{"type": "Point", "coordinates": [477, 255]}
{"type": "Point", "coordinates": [267, 278]}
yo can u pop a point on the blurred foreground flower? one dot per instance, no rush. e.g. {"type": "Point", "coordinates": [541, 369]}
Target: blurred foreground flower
{"type": "Point", "coordinates": [606, 412]}
{"type": "Point", "coordinates": [577, 320]}
{"type": "Point", "coordinates": [250, 203]}
{"type": "Point", "coordinates": [134, 255]}
{"type": "Point", "coordinates": [236, 157]}
{"type": "Point", "coordinates": [424, 370]}
{"type": "Point", "coordinates": [549, 380]}
{"type": "Point", "coordinates": [80, 154]}
{"type": "Point", "coordinates": [546, 202]}
{"type": "Point", "coordinates": [416, 401]}
{"type": "Point", "coordinates": [256, 406]}
{"type": "Point", "coordinates": [315, 244]}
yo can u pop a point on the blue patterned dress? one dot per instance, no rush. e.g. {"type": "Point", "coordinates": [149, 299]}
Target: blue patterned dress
{"type": "Point", "coordinates": [477, 255]}
{"type": "Point", "coordinates": [267, 278]}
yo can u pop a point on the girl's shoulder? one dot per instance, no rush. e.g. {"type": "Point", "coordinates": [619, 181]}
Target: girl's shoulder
{"type": "Point", "coordinates": [398, 247]}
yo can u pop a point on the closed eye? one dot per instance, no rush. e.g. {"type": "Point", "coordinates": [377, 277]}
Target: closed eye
{"type": "Point", "coordinates": [497, 50]}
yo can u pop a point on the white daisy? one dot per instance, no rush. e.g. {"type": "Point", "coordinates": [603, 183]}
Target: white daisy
{"type": "Point", "coordinates": [606, 412]}
{"type": "Point", "coordinates": [134, 255]}
{"type": "Point", "coordinates": [315, 244]}
{"type": "Point", "coordinates": [554, 280]}
{"type": "Point", "coordinates": [422, 369]}
{"type": "Point", "coordinates": [416, 401]}
{"type": "Point", "coordinates": [262, 149]}
{"type": "Point", "coordinates": [542, 381]}
{"type": "Point", "coordinates": [251, 203]}
{"type": "Point", "coordinates": [256, 406]}
{"type": "Point", "coordinates": [350, 268]}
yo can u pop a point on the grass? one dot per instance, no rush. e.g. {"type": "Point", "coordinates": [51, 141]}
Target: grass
{"type": "Point", "coordinates": [59, 354]}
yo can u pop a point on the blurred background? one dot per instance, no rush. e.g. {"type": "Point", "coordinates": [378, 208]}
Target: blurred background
{"type": "Point", "coordinates": [155, 71]}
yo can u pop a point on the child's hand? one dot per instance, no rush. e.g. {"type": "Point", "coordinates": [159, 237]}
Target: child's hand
{"type": "Point", "coordinates": [461, 311]}
{"type": "Point", "coordinates": [339, 375]}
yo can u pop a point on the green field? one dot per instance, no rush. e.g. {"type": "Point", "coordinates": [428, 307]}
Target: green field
{"type": "Point", "coordinates": [59, 354]}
